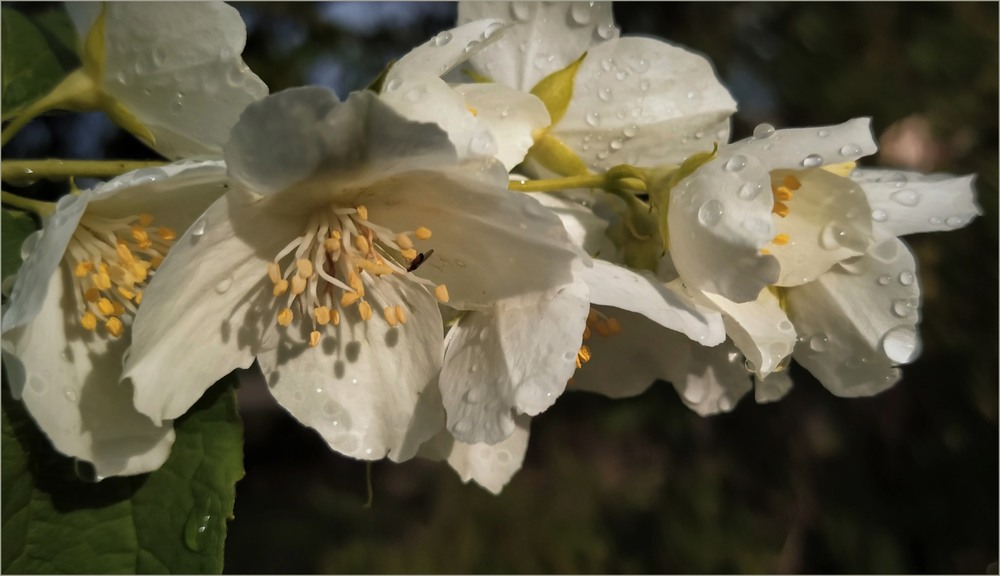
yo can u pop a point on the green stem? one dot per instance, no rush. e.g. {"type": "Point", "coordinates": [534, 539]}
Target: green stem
{"type": "Point", "coordinates": [31, 170]}
{"type": "Point", "coordinates": [76, 91]}
{"type": "Point", "coordinates": [36, 206]}
{"type": "Point", "coordinates": [557, 184]}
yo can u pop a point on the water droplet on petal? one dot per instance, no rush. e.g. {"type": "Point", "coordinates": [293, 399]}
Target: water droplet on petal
{"type": "Point", "coordinates": [735, 164]}
{"type": "Point", "coordinates": [749, 191]}
{"type": "Point", "coordinates": [605, 94]}
{"type": "Point", "coordinates": [935, 220]}
{"type": "Point", "coordinates": [393, 84]}
{"type": "Point", "coordinates": [224, 285]}
{"type": "Point", "coordinates": [819, 342]}
{"type": "Point", "coordinates": [593, 119]}
{"type": "Point", "coordinates": [823, 133]}
{"type": "Point", "coordinates": [832, 236]}
{"type": "Point", "coordinates": [442, 39]}
{"type": "Point", "coordinates": [580, 12]}
{"type": "Point", "coordinates": [879, 215]}
{"type": "Point", "coordinates": [483, 144]}
{"type": "Point", "coordinates": [901, 345]}
{"type": "Point", "coordinates": [492, 29]}
{"type": "Point", "coordinates": [850, 150]}
{"type": "Point", "coordinates": [630, 131]}
{"type": "Point", "coordinates": [606, 31]}
{"type": "Point", "coordinates": [29, 244]}
{"type": "Point", "coordinates": [884, 280]}
{"type": "Point", "coordinates": [416, 94]}
{"type": "Point", "coordinates": [906, 278]}
{"type": "Point", "coordinates": [812, 161]}
{"type": "Point", "coordinates": [762, 131]}
{"type": "Point", "coordinates": [902, 307]}
{"type": "Point", "coordinates": [954, 221]}
{"type": "Point", "coordinates": [909, 198]}
{"type": "Point", "coordinates": [616, 144]}
{"type": "Point", "coordinates": [70, 395]}
{"type": "Point", "coordinates": [710, 212]}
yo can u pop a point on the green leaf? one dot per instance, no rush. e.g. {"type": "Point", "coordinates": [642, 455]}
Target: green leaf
{"type": "Point", "coordinates": [36, 55]}
{"type": "Point", "coordinates": [173, 520]}
{"type": "Point", "coordinates": [14, 228]}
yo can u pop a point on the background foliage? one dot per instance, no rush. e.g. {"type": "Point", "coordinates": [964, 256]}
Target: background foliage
{"type": "Point", "coordinates": [903, 482]}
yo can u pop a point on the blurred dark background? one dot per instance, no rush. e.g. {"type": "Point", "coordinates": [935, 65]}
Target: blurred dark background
{"type": "Point", "coordinates": [904, 482]}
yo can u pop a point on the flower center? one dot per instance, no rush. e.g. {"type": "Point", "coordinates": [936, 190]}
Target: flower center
{"type": "Point", "coordinates": [782, 193]}
{"type": "Point", "coordinates": [323, 272]}
{"type": "Point", "coordinates": [112, 261]}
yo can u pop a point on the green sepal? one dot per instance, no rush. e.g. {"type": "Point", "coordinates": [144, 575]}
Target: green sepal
{"type": "Point", "coordinates": [662, 181]}
{"type": "Point", "coordinates": [476, 76]}
{"type": "Point", "coordinates": [556, 89]}
{"type": "Point", "coordinates": [93, 46]}
{"type": "Point", "coordinates": [551, 153]}
{"type": "Point", "coordinates": [378, 83]}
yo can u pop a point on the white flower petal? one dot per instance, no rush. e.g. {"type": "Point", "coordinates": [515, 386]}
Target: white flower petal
{"type": "Point", "coordinates": [799, 148]}
{"type": "Point", "coordinates": [760, 329]}
{"type": "Point", "coordinates": [716, 231]}
{"type": "Point", "coordinates": [510, 115]}
{"type": "Point", "coordinates": [448, 49]}
{"type": "Point", "coordinates": [489, 465]}
{"type": "Point", "coordinates": [909, 202]}
{"type": "Point", "coordinates": [641, 292]}
{"type": "Point", "coordinates": [511, 359]}
{"type": "Point", "coordinates": [772, 388]}
{"type": "Point", "coordinates": [69, 381]}
{"type": "Point", "coordinates": [708, 379]}
{"type": "Point", "coordinates": [857, 323]}
{"type": "Point", "coordinates": [488, 243]}
{"type": "Point", "coordinates": [209, 309]}
{"type": "Point", "coordinates": [644, 102]}
{"type": "Point", "coordinates": [545, 37]}
{"type": "Point", "coordinates": [325, 140]}
{"type": "Point", "coordinates": [177, 67]}
{"type": "Point", "coordinates": [369, 389]}
{"type": "Point", "coordinates": [828, 221]}
{"type": "Point", "coordinates": [585, 228]}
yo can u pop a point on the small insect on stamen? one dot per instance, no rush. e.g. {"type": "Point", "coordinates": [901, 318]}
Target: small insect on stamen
{"type": "Point", "coordinates": [419, 260]}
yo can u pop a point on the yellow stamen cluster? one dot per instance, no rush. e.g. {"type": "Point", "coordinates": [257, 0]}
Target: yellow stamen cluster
{"type": "Point", "coordinates": [112, 261]}
{"type": "Point", "coordinates": [782, 193]}
{"type": "Point", "coordinates": [604, 326]}
{"type": "Point", "coordinates": [326, 270]}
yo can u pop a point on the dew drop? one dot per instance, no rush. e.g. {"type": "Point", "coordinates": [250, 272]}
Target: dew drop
{"type": "Point", "coordinates": [832, 236]}
{"type": "Point", "coordinates": [954, 221]}
{"type": "Point", "coordinates": [616, 144]}
{"type": "Point", "coordinates": [606, 31]}
{"type": "Point", "coordinates": [884, 280]}
{"type": "Point", "coordinates": [935, 220]}
{"type": "Point", "coordinates": [483, 144]}
{"type": "Point", "coordinates": [819, 342]}
{"type": "Point", "coordinates": [224, 285]}
{"type": "Point", "coordinates": [85, 471]}
{"type": "Point", "coordinates": [735, 164]}
{"type": "Point", "coordinates": [909, 198]}
{"type": "Point", "coordinates": [699, 134]}
{"type": "Point", "coordinates": [902, 307]}
{"type": "Point", "coordinates": [492, 29]}
{"type": "Point", "coordinates": [196, 528]}
{"type": "Point", "coordinates": [603, 155]}
{"type": "Point", "coordinates": [593, 119]}
{"type": "Point", "coordinates": [580, 12]}
{"type": "Point", "coordinates": [521, 10]}
{"type": "Point", "coordinates": [762, 131]}
{"type": "Point", "coordinates": [639, 65]}
{"type": "Point", "coordinates": [605, 94]}
{"type": "Point", "coordinates": [710, 213]}
{"type": "Point", "coordinates": [879, 215]}
{"type": "Point", "coordinates": [630, 131]}
{"type": "Point", "coordinates": [442, 39]}
{"type": "Point", "coordinates": [70, 395]}
{"type": "Point", "coordinates": [177, 106]}
{"type": "Point", "coordinates": [607, 64]}
{"type": "Point", "coordinates": [542, 61]}
{"type": "Point", "coordinates": [785, 326]}
{"type": "Point", "coordinates": [850, 150]}
{"type": "Point", "coordinates": [749, 191]}
{"type": "Point", "coordinates": [812, 161]}
{"type": "Point", "coordinates": [393, 84]}
{"type": "Point", "coordinates": [906, 278]}
{"type": "Point", "coordinates": [620, 75]}
{"type": "Point", "coordinates": [416, 94]}
{"type": "Point", "coordinates": [198, 228]}
{"type": "Point", "coordinates": [38, 384]}
{"type": "Point", "coordinates": [823, 133]}
{"type": "Point", "coordinates": [901, 345]}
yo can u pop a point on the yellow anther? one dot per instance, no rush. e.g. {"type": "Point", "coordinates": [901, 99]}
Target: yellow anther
{"type": "Point", "coordinates": [166, 234]}
{"type": "Point", "coordinates": [114, 327]}
{"type": "Point", "coordinates": [285, 317]}
{"type": "Point", "coordinates": [582, 356]}
{"type": "Point", "coordinates": [354, 281]}
{"type": "Point", "coordinates": [101, 280]}
{"type": "Point", "coordinates": [322, 315]}
{"type": "Point", "coordinates": [155, 262]}
{"type": "Point", "coordinates": [361, 243]}
{"type": "Point", "coordinates": [124, 253]}
{"type": "Point", "coordinates": [765, 251]}
{"type": "Point", "coordinates": [389, 313]}
{"type": "Point", "coordinates": [409, 254]}
{"type": "Point", "coordinates": [138, 297]}
{"type": "Point", "coordinates": [782, 193]}
{"type": "Point", "coordinates": [92, 295]}
{"type": "Point", "coordinates": [83, 268]}
{"type": "Point", "coordinates": [89, 321]}
{"type": "Point", "coordinates": [331, 245]}
{"type": "Point", "coordinates": [422, 233]}
{"type": "Point", "coordinates": [280, 287]}
{"type": "Point", "coordinates": [314, 338]}
{"type": "Point", "coordinates": [139, 271]}
{"type": "Point", "coordinates": [140, 237]}
{"type": "Point", "coordinates": [614, 326]}
{"type": "Point", "coordinates": [145, 219]}
{"type": "Point", "coordinates": [780, 209]}
{"type": "Point", "coordinates": [841, 169]}
{"type": "Point", "coordinates": [362, 212]}
{"type": "Point", "coordinates": [105, 306]}
{"type": "Point", "coordinates": [274, 272]}
{"type": "Point", "coordinates": [791, 182]}
{"type": "Point", "coordinates": [298, 285]}
{"type": "Point", "coordinates": [119, 308]}
{"type": "Point", "coordinates": [586, 332]}
{"type": "Point", "coordinates": [441, 293]}
{"type": "Point", "coordinates": [404, 242]}
{"type": "Point", "coordinates": [376, 268]}
{"type": "Point", "coordinates": [781, 239]}
{"type": "Point", "coordinates": [400, 314]}
{"type": "Point", "coordinates": [335, 317]}
{"type": "Point", "coordinates": [366, 310]}
{"type": "Point", "coordinates": [349, 298]}
{"type": "Point", "coordinates": [304, 267]}
{"type": "Point", "coordinates": [602, 328]}
{"type": "Point", "coordinates": [472, 110]}
{"type": "Point", "coordinates": [126, 293]}
{"type": "Point", "coordinates": [335, 234]}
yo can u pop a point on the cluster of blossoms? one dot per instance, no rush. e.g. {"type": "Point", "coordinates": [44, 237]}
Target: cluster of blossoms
{"type": "Point", "coordinates": [523, 205]}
